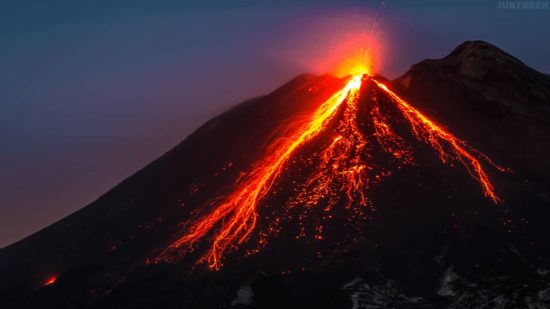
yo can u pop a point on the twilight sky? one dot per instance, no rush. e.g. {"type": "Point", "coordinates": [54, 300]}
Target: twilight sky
{"type": "Point", "coordinates": [91, 91]}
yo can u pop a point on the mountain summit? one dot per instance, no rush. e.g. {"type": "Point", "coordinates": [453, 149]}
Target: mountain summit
{"type": "Point", "coordinates": [427, 191]}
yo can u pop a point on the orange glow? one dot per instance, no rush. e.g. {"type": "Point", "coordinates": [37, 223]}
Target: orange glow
{"type": "Point", "coordinates": [342, 172]}
{"type": "Point", "coordinates": [356, 55]}
{"type": "Point", "coordinates": [340, 43]}
{"type": "Point", "coordinates": [357, 62]}
{"type": "Point", "coordinates": [51, 280]}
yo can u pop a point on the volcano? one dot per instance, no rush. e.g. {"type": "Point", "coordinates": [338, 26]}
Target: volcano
{"type": "Point", "coordinates": [431, 190]}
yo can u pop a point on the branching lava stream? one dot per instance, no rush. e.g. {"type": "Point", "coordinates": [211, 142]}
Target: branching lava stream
{"type": "Point", "coordinates": [343, 170]}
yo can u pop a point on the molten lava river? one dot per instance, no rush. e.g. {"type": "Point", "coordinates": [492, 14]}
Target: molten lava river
{"type": "Point", "coordinates": [341, 172]}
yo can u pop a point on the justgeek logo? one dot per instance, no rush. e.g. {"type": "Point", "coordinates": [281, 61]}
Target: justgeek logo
{"type": "Point", "coordinates": [527, 5]}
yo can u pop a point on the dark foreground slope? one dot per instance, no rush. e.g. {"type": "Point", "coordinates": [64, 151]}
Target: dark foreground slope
{"type": "Point", "coordinates": [434, 239]}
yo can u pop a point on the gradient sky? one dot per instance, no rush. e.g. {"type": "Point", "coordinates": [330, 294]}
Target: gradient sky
{"type": "Point", "coordinates": [91, 91]}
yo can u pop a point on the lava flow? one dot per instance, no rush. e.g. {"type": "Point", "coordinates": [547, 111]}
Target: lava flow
{"type": "Point", "coordinates": [343, 170]}
{"type": "Point", "coordinates": [430, 132]}
{"type": "Point", "coordinates": [237, 212]}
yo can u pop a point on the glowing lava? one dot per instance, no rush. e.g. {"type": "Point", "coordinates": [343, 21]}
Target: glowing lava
{"type": "Point", "coordinates": [51, 280]}
{"type": "Point", "coordinates": [343, 170]}
{"type": "Point", "coordinates": [357, 63]}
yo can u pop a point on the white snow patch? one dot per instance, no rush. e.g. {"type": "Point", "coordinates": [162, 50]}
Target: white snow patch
{"type": "Point", "coordinates": [446, 288]}
{"type": "Point", "coordinates": [245, 296]}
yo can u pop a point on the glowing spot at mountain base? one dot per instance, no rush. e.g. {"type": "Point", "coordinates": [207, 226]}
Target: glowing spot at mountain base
{"type": "Point", "coordinates": [50, 280]}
